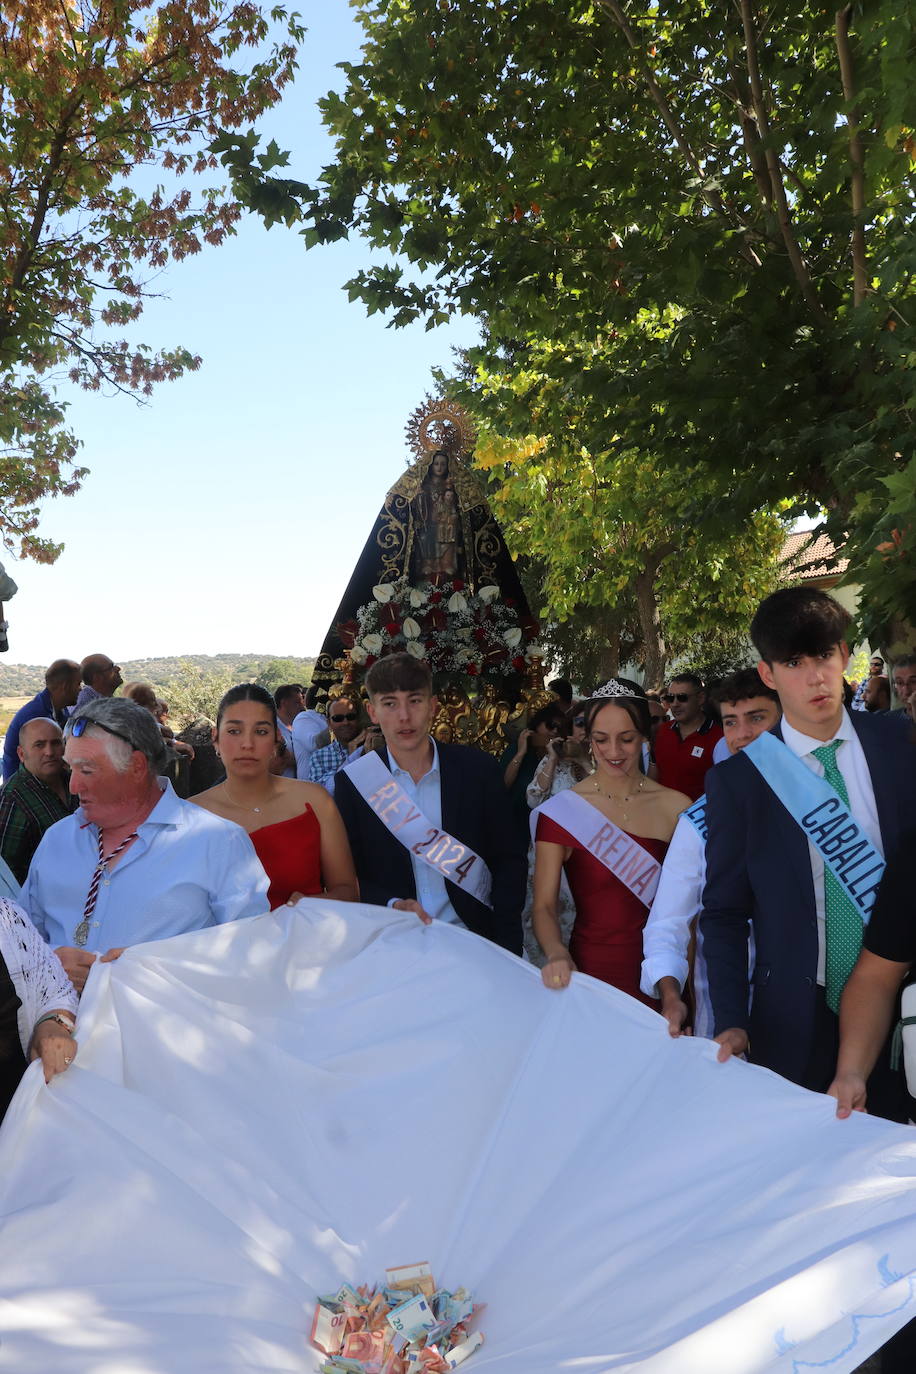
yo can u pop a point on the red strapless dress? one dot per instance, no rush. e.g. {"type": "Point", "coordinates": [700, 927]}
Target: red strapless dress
{"type": "Point", "coordinates": [606, 939]}
{"type": "Point", "coordinates": [291, 854]}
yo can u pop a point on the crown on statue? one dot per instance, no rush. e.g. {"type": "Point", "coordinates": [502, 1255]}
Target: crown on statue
{"type": "Point", "coordinates": [612, 688]}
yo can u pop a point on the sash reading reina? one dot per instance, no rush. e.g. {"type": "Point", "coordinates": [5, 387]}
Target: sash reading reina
{"type": "Point", "coordinates": [824, 817]}
{"type": "Point", "coordinates": [452, 860]}
{"type": "Point", "coordinates": [619, 852]}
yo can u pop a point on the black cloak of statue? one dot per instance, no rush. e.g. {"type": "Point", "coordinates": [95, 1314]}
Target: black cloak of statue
{"type": "Point", "coordinates": [435, 525]}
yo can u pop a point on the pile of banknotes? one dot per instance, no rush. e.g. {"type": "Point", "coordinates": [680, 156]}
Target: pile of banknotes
{"type": "Point", "coordinates": [404, 1326]}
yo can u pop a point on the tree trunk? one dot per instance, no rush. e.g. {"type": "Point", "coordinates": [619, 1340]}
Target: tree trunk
{"type": "Point", "coordinates": [609, 658]}
{"type": "Point", "coordinates": [656, 651]}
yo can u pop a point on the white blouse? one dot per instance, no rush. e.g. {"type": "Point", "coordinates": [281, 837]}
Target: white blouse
{"type": "Point", "coordinates": [38, 975]}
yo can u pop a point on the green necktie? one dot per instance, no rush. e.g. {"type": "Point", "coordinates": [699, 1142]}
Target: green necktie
{"type": "Point", "coordinates": [843, 921]}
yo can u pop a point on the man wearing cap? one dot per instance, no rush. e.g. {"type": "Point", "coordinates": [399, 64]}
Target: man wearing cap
{"type": "Point", "coordinates": [134, 862]}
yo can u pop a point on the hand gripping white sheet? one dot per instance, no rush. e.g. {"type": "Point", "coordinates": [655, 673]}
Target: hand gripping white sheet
{"type": "Point", "coordinates": [263, 1111]}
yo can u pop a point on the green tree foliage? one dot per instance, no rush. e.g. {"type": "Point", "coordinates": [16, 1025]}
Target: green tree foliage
{"type": "Point", "coordinates": [277, 672]}
{"type": "Point", "coordinates": [646, 541]}
{"type": "Point", "coordinates": [90, 95]}
{"type": "Point", "coordinates": [707, 208]}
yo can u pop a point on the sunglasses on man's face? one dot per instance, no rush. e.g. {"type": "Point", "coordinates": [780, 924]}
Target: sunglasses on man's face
{"type": "Point", "coordinates": [338, 720]}
{"type": "Point", "coordinates": [678, 696]}
{"type": "Point", "coordinates": [80, 726]}
{"type": "Point", "coordinates": [579, 722]}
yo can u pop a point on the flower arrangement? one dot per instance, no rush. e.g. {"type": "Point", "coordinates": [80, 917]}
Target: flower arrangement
{"type": "Point", "coordinates": [455, 629]}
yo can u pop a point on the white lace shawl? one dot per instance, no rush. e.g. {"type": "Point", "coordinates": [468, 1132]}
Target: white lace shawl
{"type": "Point", "coordinates": [38, 975]}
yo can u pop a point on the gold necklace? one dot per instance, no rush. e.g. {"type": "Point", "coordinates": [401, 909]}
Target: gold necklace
{"type": "Point", "coordinates": [620, 801]}
{"type": "Point", "coordinates": [240, 805]}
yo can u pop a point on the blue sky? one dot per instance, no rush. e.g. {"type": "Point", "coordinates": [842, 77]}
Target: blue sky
{"type": "Point", "coordinates": [227, 513]}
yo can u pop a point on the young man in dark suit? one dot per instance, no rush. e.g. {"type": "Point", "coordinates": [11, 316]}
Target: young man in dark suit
{"type": "Point", "coordinates": [431, 832]}
{"type": "Point", "coordinates": [762, 871]}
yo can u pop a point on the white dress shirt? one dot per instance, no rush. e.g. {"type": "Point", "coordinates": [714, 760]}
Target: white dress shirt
{"type": "Point", "coordinates": [426, 795]}
{"type": "Point", "coordinates": [286, 734]}
{"type": "Point", "coordinates": [305, 729]}
{"type": "Point", "coordinates": [721, 751]}
{"type": "Point", "coordinates": [851, 761]}
{"type": "Point", "coordinates": [186, 870]}
{"type": "Point", "coordinates": [666, 938]}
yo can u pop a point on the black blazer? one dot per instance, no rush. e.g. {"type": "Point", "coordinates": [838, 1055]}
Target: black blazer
{"type": "Point", "coordinates": [475, 809]}
{"type": "Point", "coordinates": [758, 869]}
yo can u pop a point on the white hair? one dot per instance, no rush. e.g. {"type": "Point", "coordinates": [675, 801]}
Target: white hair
{"type": "Point", "coordinates": [119, 751]}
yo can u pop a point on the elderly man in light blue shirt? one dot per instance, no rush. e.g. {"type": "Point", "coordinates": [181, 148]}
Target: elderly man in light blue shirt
{"type": "Point", "coordinates": [135, 862]}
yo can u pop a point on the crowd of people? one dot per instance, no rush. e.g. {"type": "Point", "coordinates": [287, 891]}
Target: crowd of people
{"type": "Point", "coordinates": [734, 855]}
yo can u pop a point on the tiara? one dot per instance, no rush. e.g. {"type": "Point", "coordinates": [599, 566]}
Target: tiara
{"type": "Point", "coordinates": [612, 688]}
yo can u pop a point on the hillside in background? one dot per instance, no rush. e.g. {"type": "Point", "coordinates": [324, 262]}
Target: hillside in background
{"type": "Point", "coordinates": [24, 680]}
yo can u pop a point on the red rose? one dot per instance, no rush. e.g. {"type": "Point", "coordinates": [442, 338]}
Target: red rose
{"type": "Point", "coordinates": [480, 636]}
{"type": "Point", "coordinates": [473, 669]}
{"type": "Point", "coordinates": [430, 643]}
{"type": "Point", "coordinates": [458, 585]}
{"type": "Point", "coordinates": [370, 660]}
{"type": "Point", "coordinates": [518, 664]}
{"type": "Point", "coordinates": [393, 629]}
{"type": "Point", "coordinates": [435, 598]}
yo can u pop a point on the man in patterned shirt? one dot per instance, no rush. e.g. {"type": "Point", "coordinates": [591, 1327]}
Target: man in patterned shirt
{"type": "Point", "coordinates": [349, 737]}
{"type": "Point", "coordinates": [36, 796]}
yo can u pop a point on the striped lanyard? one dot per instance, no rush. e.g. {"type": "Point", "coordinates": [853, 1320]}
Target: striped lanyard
{"type": "Point", "coordinates": [81, 934]}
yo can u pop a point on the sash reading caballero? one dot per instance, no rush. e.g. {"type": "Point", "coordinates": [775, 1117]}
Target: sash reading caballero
{"type": "Point", "coordinates": [823, 816]}
{"type": "Point", "coordinates": [619, 852]}
{"type": "Point", "coordinates": [451, 859]}
{"type": "Point", "coordinates": [696, 815]}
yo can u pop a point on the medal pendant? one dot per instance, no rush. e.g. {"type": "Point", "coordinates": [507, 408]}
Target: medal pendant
{"type": "Point", "coordinates": [81, 934]}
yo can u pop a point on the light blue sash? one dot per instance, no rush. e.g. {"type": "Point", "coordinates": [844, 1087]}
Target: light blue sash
{"type": "Point", "coordinates": [696, 815]}
{"type": "Point", "coordinates": [824, 818]}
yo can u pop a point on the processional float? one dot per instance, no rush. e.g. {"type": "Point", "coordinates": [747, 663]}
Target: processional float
{"type": "Point", "coordinates": [436, 580]}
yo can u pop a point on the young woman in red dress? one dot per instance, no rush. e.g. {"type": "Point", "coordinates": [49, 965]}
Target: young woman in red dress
{"type": "Point", "coordinates": [606, 938]}
{"type": "Point", "coordinates": [294, 826]}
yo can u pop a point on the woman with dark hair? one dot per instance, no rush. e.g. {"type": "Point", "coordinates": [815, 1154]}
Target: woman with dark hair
{"type": "Point", "coordinates": [610, 833]}
{"type": "Point", "coordinates": [294, 826]}
{"type": "Point", "coordinates": [520, 760]}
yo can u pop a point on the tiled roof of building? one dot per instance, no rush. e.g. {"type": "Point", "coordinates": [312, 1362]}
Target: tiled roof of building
{"type": "Point", "coordinates": [809, 558]}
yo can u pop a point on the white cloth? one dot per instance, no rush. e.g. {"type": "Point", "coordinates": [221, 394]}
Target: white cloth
{"type": "Point", "coordinates": [38, 975]}
{"type": "Point", "coordinates": [306, 728]}
{"type": "Point", "coordinates": [262, 1110]}
{"type": "Point", "coordinates": [853, 765]}
{"type": "Point", "coordinates": [186, 869]}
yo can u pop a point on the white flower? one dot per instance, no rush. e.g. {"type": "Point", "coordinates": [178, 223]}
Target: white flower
{"type": "Point", "coordinates": [411, 628]}
{"type": "Point", "coordinates": [456, 603]}
{"type": "Point", "coordinates": [513, 637]}
{"type": "Point", "coordinates": [534, 651]}
{"type": "Point", "coordinates": [488, 594]}
{"type": "Point", "coordinates": [372, 644]}
{"type": "Point", "coordinates": [358, 654]}
{"type": "Point", "coordinates": [383, 592]}
{"type": "Point", "coordinates": [416, 598]}
{"type": "Point", "coordinates": [414, 648]}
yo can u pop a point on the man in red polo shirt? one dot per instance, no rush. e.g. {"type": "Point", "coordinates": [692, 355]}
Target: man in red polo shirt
{"type": "Point", "coordinates": [684, 745]}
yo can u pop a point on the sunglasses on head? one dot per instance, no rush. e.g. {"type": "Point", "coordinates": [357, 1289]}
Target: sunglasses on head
{"type": "Point", "coordinates": [338, 720]}
{"type": "Point", "coordinates": [80, 726]}
{"type": "Point", "coordinates": [678, 696]}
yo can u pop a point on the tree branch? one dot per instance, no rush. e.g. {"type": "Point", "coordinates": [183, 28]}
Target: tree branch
{"type": "Point", "coordinates": [856, 157]}
{"type": "Point", "coordinates": [799, 266]}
